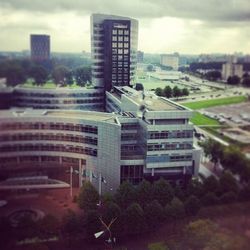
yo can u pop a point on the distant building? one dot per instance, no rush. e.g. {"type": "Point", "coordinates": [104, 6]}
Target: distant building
{"type": "Point", "coordinates": [170, 60]}
{"type": "Point", "coordinates": [40, 47]}
{"type": "Point", "coordinates": [231, 69]}
{"type": "Point", "coordinates": [140, 56]}
{"type": "Point", "coordinates": [114, 50]}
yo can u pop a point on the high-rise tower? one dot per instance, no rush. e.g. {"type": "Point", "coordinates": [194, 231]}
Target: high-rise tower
{"type": "Point", "coordinates": [40, 47]}
{"type": "Point", "coordinates": [114, 50]}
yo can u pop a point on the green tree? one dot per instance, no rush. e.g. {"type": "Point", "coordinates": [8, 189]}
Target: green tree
{"type": "Point", "coordinates": [162, 192]}
{"type": "Point", "coordinates": [233, 80]}
{"type": "Point", "coordinates": [167, 92]}
{"type": "Point", "coordinates": [150, 68]}
{"type": "Point", "coordinates": [93, 223]}
{"type": "Point", "coordinates": [211, 184]}
{"type": "Point", "coordinates": [82, 75]}
{"type": "Point", "coordinates": [134, 219]}
{"type": "Point", "coordinates": [246, 81]}
{"type": "Point", "coordinates": [213, 150]}
{"type": "Point", "coordinates": [125, 194]}
{"type": "Point", "coordinates": [158, 246]}
{"type": "Point", "coordinates": [6, 232]}
{"type": "Point", "coordinates": [15, 75]}
{"type": "Point", "coordinates": [70, 224]}
{"type": "Point", "coordinates": [153, 214]}
{"type": "Point", "coordinates": [159, 92]}
{"type": "Point", "coordinates": [144, 193]}
{"type": "Point", "coordinates": [59, 74]}
{"type": "Point", "coordinates": [39, 73]}
{"type": "Point", "coordinates": [209, 199]}
{"type": "Point", "coordinates": [228, 183]}
{"type": "Point", "coordinates": [88, 196]}
{"type": "Point", "coordinates": [176, 92]}
{"type": "Point", "coordinates": [69, 78]}
{"type": "Point", "coordinates": [178, 209]}
{"type": "Point", "coordinates": [195, 187]}
{"type": "Point", "coordinates": [48, 226]}
{"type": "Point", "coordinates": [213, 75]}
{"type": "Point", "coordinates": [228, 197]}
{"type": "Point", "coordinates": [184, 92]}
{"type": "Point", "coordinates": [179, 192]}
{"type": "Point", "coordinates": [192, 205]}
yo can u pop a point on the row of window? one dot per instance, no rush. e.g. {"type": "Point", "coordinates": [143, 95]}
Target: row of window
{"type": "Point", "coordinates": [48, 137]}
{"type": "Point", "coordinates": [170, 134]}
{"type": "Point", "coordinates": [174, 158]}
{"type": "Point", "coordinates": [48, 147]}
{"type": "Point", "coordinates": [50, 126]}
{"type": "Point", "coordinates": [17, 93]}
{"type": "Point", "coordinates": [129, 137]}
{"type": "Point", "coordinates": [132, 173]}
{"type": "Point", "coordinates": [44, 158]}
{"type": "Point", "coordinates": [120, 38]}
{"type": "Point", "coordinates": [169, 146]}
{"type": "Point", "coordinates": [130, 126]}
{"type": "Point", "coordinates": [120, 52]}
{"type": "Point", "coordinates": [74, 101]}
{"type": "Point", "coordinates": [120, 31]}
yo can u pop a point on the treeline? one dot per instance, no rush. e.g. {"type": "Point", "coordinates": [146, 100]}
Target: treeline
{"type": "Point", "coordinates": [133, 210]}
{"type": "Point", "coordinates": [19, 71]}
{"type": "Point", "coordinates": [169, 92]}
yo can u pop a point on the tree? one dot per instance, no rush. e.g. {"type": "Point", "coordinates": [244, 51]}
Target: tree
{"type": "Point", "coordinates": [213, 75]}
{"type": "Point", "coordinates": [178, 209]}
{"type": "Point", "coordinates": [209, 199]}
{"type": "Point", "coordinates": [159, 92]}
{"type": "Point", "coordinates": [144, 193]}
{"type": "Point", "coordinates": [15, 75]}
{"type": "Point", "coordinates": [59, 74]}
{"type": "Point", "coordinates": [88, 196]}
{"type": "Point", "coordinates": [49, 226]}
{"type": "Point", "coordinates": [195, 188]}
{"type": "Point", "coordinates": [82, 75]}
{"type": "Point", "coordinates": [150, 68]}
{"type": "Point", "coordinates": [213, 150]}
{"type": "Point", "coordinates": [192, 205]}
{"type": "Point", "coordinates": [6, 233]}
{"type": "Point", "coordinates": [167, 92]}
{"type": "Point", "coordinates": [134, 219]}
{"type": "Point", "coordinates": [176, 92]}
{"type": "Point", "coordinates": [93, 223]}
{"type": "Point", "coordinates": [153, 214]}
{"type": "Point", "coordinates": [162, 191]}
{"type": "Point", "coordinates": [228, 183]}
{"type": "Point", "coordinates": [39, 74]}
{"type": "Point", "coordinates": [125, 194]}
{"type": "Point", "coordinates": [228, 197]}
{"type": "Point", "coordinates": [233, 80]}
{"type": "Point", "coordinates": [184, 92]}
{"type": "Point", "coordinates": [71, 224]}
{"type": "Point", "coordinates": [139, 87]}
{"type": "Point", "coordinates": [112, 211]}
{"type": "Point", "coordinates": [69, 80]}
{"type": "Point", "coordinates": [246, 81]}
{"type": "Point", "coordinates": [211, 184]}
{"type": "Point", "coordinates": [179, 192]}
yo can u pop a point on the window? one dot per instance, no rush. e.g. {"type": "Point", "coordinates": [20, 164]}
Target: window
{"type": "Point", "coordinates": [120, 45]}
{"type": "Point", "coordinates": [120, 38]}
{"type": "Point", "coordinates": [114, 32]}
{"type": "Point", "coordinates": [120, 32]}
{"type": "Point", "coordinates": [114, 45]}
{"type": "Point", "coordinates": [126, 32]}
{"type": "Point", "coordinates": [114, 38]}
{"type": "Point", "coordinates": [126, 38]}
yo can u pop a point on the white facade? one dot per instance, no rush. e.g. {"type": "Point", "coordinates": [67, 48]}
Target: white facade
{"type": "Point", "coordinates": [231, 69]}
{"type": "Point", "coordinates": [170, 61]}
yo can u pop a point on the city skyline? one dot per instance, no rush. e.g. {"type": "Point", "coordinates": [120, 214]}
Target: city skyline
{"type": "Point", "coordinates": [189, 27]}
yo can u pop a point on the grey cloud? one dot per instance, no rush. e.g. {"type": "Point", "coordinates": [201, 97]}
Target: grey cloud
{"type": "Point", "coordinates": [209, 10]}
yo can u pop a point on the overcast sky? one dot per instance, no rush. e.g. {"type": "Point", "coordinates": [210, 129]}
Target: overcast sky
{"type": "Point", "coordinates": [165, 26]}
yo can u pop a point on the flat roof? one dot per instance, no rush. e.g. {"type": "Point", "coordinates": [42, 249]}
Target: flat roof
{"type": "Point", "coordinates": [78, 115]}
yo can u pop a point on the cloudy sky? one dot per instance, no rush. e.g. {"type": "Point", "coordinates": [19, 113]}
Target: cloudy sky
{"type": "Point", "coordinates": [165, 26]}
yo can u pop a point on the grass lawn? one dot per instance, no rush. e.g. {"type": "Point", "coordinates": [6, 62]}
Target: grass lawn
{"type": "Point", "coordinates": [48, 85]}
{"type": "Point", "coordinates": [199, 119]}
{"type": "Point", "coordinates": [215, 102]}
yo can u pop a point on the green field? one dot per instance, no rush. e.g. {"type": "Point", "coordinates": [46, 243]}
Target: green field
{"type": "Point", "coordinates": [47, 85]}
{"type": "Point", "coordinates": [215, 102]}
{"type": "Point", "coordinates": [199, 119]}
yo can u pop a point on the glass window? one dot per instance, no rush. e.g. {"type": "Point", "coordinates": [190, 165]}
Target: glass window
{"type": "Point", "coordinates": [120, 51]}
{"type": "Point", "coordinates": [126, 32]}
{"type": "Point", "coordinates": [120, 38]}
{"type": "Point", "coordinates": [120, 32]}
{"type": "Point", "coordinates": [126, 51]}
{"type": "Point", "coordinates": [126, 38]}
{"type": "Point", "coordinates": [114, 51]}
{"type": "Point", "coordinates": [114, 45]}
{"type": "Point", "coordinates": [114, 32]}
{"type": "Point", "coordinates": [114, 38]}
{"type": "Point", "coordinates": [120, 45]}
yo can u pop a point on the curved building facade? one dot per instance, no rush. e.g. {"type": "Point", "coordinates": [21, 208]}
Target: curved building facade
{"type": "Point", "coordinates": [58, 98]}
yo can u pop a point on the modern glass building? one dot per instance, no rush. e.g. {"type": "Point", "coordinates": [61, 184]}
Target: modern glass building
{"type": "Point", "coordinates": [114, 42]}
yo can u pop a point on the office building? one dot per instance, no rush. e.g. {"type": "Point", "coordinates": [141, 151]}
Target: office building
{"type": "Point", "coordinates": [144, 137]}
{"type": "Point", "coordinates": [140, 56]}
{"type": "Point", "coordinates": [231, 69]}
{"type": "Point", "coordinates": [40, 48]}
{"type": "Point", "coordinates": [170, 60]}
{"type": "Point", "coordinates": [114, 50]}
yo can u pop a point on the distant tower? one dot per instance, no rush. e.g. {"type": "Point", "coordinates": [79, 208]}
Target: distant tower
{"type": "Point", "coordinates": [40, 47]}
{"type": "Point", "coordinates": [114, 50]}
